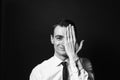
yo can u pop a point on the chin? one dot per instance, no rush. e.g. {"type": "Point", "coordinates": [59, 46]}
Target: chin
{"type": "Point", "coordinates": [61, 52]}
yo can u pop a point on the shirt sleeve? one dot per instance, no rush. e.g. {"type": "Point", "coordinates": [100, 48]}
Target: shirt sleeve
{"type": "Point", "coordinates": [35, 74]}
{"type": "Point", "coordinates": [87, 65]}
{"type": "Point", "coordinates": [78, 72]}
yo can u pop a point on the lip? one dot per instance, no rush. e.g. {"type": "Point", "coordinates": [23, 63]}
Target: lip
{"type": "Point", "coordinates": [61, 48]}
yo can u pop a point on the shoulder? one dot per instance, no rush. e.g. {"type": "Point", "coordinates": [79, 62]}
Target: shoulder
{"type": "Point", "coordinates": [86, 63]}
{"type": "Point", "coordinates": [39, 68]}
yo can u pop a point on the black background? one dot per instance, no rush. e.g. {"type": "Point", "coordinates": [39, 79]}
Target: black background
{"type": "Point", "coordinates": [25, 35]}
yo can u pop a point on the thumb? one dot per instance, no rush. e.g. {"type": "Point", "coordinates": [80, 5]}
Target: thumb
{"type": "Point", "coordinates": [80, 47]}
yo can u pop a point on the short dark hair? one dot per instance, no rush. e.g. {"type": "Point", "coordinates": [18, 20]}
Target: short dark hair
{"type": "Point", "coordinates": [64, 23]}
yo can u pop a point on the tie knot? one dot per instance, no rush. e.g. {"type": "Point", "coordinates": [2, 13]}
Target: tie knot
{"type": "Point", "coordinates": [64, 63]}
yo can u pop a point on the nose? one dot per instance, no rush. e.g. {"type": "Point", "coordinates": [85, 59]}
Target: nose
{"type": "Point", "coordinates": [62, 42]}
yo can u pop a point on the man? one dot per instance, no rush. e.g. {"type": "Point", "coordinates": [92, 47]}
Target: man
{"type": "Point", "coordinates": [65, 64]}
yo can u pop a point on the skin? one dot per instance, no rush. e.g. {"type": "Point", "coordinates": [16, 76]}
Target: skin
{"type": "Point", "coordinates": [64, 42]}
{"type": "Point", "coordinates": [58, 41]}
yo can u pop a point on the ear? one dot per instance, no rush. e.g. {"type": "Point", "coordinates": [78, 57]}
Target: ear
{"type": "Point", "coordinates": [52, 40]}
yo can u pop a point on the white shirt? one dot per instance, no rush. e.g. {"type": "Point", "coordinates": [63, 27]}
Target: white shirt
{"type": "Point", "coordinates": [51, 69]}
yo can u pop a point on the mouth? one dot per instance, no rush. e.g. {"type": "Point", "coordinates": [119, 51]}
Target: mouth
{"type": "Point", "coordinates": [61, 48]}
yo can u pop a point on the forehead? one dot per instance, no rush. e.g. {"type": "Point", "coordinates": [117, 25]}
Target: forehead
{"type": "Point", "coordinates": [59, 30]}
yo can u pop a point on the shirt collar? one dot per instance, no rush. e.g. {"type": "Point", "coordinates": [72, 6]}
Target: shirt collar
{"type": "Point", "coordinates": [57, 61]}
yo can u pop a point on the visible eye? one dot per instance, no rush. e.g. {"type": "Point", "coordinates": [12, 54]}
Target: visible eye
{"type": "Point", "coordinates": [59, 37]}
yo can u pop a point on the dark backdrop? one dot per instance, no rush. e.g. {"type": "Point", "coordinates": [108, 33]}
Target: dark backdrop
{"type": "Point", "coordinates": [25, 34]}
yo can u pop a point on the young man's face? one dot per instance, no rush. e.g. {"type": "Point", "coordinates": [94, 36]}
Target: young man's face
{"type": "Point", "coordinates": [58, 40]}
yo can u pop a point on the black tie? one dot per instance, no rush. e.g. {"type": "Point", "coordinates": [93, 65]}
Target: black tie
{"type": "Point", "coordinates": [65, 71]}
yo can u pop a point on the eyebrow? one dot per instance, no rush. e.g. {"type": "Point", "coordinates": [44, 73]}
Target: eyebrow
{"type": "Point", "coordinates": [60, 36]}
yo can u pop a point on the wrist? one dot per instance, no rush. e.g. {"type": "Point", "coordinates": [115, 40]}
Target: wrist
{"type": "Point", "coordinates": [73, 66]}
{"type": "Point", "coordinates": [73, 58]}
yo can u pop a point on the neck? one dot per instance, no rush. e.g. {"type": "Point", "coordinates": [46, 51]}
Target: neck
{"type": "Point", "coordinates": [62, 57]}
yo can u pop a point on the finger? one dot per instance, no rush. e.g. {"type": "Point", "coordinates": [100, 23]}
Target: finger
{"type": "Point", "coordinates": [70, 31]}
{"type": "Point", "coordinates": [67, 36]}
{"type": "Point", "coordinates": [80, 47]}
{"type": "Point", "coordinates": [73, 32]}
{"type": "Point", "coordinates": [72, 36]}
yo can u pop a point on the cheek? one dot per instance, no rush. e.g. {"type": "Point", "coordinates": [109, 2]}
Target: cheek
{"type": "Point", "coordinates": [57, 43]}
